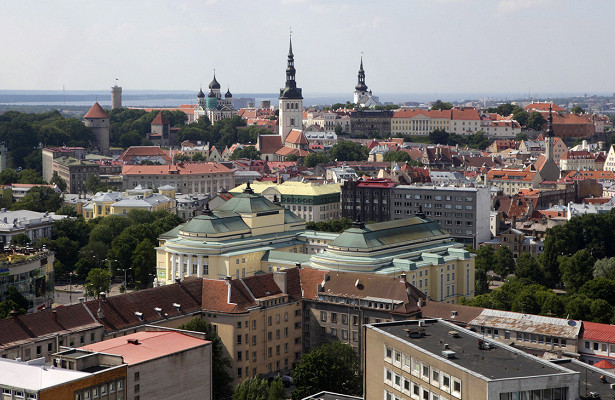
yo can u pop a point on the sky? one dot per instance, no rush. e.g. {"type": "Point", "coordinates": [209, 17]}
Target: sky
{"type": "Point", "coordinates": [408, 46]}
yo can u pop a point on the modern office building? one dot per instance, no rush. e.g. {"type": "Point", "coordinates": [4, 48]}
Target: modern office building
{"type": "Point", "coordinates": [436, 360]}
{"type": "Point", "coordinates": [462, 211]}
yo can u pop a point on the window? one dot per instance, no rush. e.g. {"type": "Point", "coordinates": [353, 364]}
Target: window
{"type": "Point", "coordinates": [334, 317]}
{"type": "Point", "coordinates": [435, 377]}
{"type": "Point", "coordinates": [334, 331]}
{"type": "Point", "coordinates": [323, 316]}
{"type": "Point", "coordinates": [269, 320]}
{"type": "Point", "coordinates": [238, 339]}
{"type": "Point", "coordinates": [137, 376]}
{"type": "Point", "coordinates": [456, 387]}
{"type": "Point", "coordinates": [344, 319]}
{"type": "Point", "coordinates": [388, 352]}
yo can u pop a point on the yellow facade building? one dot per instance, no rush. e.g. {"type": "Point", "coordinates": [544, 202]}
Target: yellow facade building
{"type": "Point", "coordinates": [103, 204]}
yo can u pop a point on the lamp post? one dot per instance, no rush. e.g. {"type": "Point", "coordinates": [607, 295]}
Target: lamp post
{"type": "Point", "coordinates": [70, 288]}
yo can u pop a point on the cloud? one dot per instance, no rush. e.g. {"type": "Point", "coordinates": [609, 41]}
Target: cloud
{"type": "Point", "coordinates": [509, 6]}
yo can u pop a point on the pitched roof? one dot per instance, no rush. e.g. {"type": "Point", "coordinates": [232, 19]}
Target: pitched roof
{"type": "Point", "coordinates": [119, 311]}
{"type": "Point", "coordinates": [160, 119]}
{"type": "Point", "coordinates": [269, 144]}
{"type": "Point", "coordinates": [144, 151]}
{"type": "Point", "coordinates": [46, 322]}
{"type": "Point", "coordinates": [543, 107]}
{"type": "Point", "coordinates": [296, 137]}
{"type": "Point", "coordinates": [180, 169]}
{"type": "Point", "coordinates": [455, 313]}
{"type": "Point", "coordinates": [96, 112]}
{"type": "Point", "coordinates": [598, 332]}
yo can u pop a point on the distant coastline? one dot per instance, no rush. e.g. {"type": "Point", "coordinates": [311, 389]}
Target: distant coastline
{"type": "Point", "coordinates": [143, 98]}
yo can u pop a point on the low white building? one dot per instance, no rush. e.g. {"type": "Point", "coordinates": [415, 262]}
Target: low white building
{"type": "Point", "coordinates": [34, 224]}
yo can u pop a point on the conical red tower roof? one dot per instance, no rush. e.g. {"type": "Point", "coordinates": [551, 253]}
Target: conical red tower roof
{"type": "Point", "coordinates": [96, 112]}
{"type": "Point", "coordinates": [160, 119]}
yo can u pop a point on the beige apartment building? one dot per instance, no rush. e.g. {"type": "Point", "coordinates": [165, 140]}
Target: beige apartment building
{"type": "Point", "coordinates": [437, 360]}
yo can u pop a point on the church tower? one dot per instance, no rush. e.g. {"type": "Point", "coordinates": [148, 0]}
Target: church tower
{"type": "Point", "coordinates": [361, 89]}
{"type": "Point", "coordinates": [291, 101]}
{"type": "Point", "coordinates": [549, 171]}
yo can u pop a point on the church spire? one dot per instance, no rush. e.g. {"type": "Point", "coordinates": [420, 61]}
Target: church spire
{"type": "Point", "coordinates": [290, 91]}
{"type": "Point", "coordinates": [290, 68]}
{"type": "Point", "coordinates": [549, 131]}
{"type": "Point", "coordinates": [361, 86]}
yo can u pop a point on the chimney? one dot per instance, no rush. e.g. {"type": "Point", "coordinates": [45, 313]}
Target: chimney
{"type": "Point", "coordinates": [103, 296]}
{"type": "Point", "coordinates": [281, 279]}
{"type": "Point", "coordinates": [403, 278]}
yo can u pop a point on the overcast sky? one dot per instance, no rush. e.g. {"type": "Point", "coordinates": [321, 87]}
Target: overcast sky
{"type": "Point", "coordinates": [409, 46]}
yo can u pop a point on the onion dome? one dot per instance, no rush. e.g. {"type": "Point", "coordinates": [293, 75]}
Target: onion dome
{"type": "Point", "coordinates": [214, 84]}
{"type": "Point", "coordinates": [200, 95]}
{"type": "Point", "coordinates": [228, 94]}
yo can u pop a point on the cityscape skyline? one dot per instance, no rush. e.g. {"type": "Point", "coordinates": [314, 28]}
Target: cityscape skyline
{"type": "Point", "coordinates": [504, 46]}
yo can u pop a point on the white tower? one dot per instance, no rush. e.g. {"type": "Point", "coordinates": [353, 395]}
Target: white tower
{"type": "Point", "coordinates": [291, 101]}
{"type": "Point", "coordinates": [361, 89]}
{"type": "Point", "coordinates": [116, 97]}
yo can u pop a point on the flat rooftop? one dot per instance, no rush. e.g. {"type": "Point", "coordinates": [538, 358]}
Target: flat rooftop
{"type": "Point", "coordinates": [499, 362]}
{"type": "Point", "coordinates": [590, 377]}
{"type": "Point", "coordinates": [144, 346]}
{"type": "Point", "coordinates": [34, 377]}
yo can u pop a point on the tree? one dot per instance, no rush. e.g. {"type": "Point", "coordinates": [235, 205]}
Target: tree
{"type": "Point", "coordinates": [605, 268]}
{"type": "Point", "coordinates": [484, 258]}
{"type": "Point", "coordinates": [144, 263]}
{"type": "Point", "coordinates": [67, 210]}
{"type": "Point", "coordinates": [249, 152]}
{"type": "Point", "coordinates": [41, 199]}
{"type": "Point", "coordinates": [252, 389]}
{"type": "Point", "coordinates": [259, 389]}
{"type": "Point", "coordinates": [97, 281]}
{"type": "Point", "coordinates": [30, 176]}
{"type": "Point", "coordinates": [8, 176]}
{"type": "Point", "coordinates": [313, 159]}
{"type": "Point", "coordinates": [576, 269]}
{"type": "Point", "coordinates": [521, 117]}
{"type": "Point", "coordinates": [220, 363]}
{"type": "Point", "coordinates": [528, 267]}
{"type": "Point", "coordinates": [198, 157]}
{"type": "Point", "coordinates": [94, 185]}
{"type": "Point", "coordinates": [338, 129]}
{"type": "Point", "coordinates": [440, 105]}
{"type": "Point", "coordinates": [21, 239]}
{"type": "Point", "coordinates": [332, 367]}
{"type": "Point", "coordinates": [58, 181]}
{"type": "Point", "coordinates": [346, 150]}
{"type": "Point", "coordinates": [14, 301]}
{"type": "Point", "coordinates": [397, 156]}
{"type": "Point", "coordinates": [535, 121]}
{"type": "Point", "coordinates": [439, 136]}
{"type": "Point", "coordinates": [602, 311]}
{"type": "Point", "coordinates": [92, 255]}
{"type": "Point", "coordinates": [577, 110]}
{"type": "Point", "coordinates": [291, 157]}
{"type": "Point", "coordinates": [599, 288]}
{"type": "Point", "coordinates": [521, 135]}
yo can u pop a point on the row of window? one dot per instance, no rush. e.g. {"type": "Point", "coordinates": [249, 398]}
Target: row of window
{"type": "Point", "coordinates": [102, 390]}
{"type": "Point", "coordinates": [18, 394]}
{"type": "Point", "coordinates": [525, 337]}
{"type": "Point", "coordinates": [419, 369]}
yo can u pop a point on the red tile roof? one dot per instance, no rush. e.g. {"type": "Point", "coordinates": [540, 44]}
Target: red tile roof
{"type": "Point", "coordinates": [150, 345]}
{"type": "Point", "coordinates": [269, 144]}
{"type": "Point", "coordinates": [144, 151]}
{"type": "Point", "coordinates": [543, 107]}
{"type": "Point", "coordinates": [160, 119]}
{"type": "Point", "coordinates": [598, 332]}
{"type": "Point", "coordinates": [180, 169]}
{"type": "Point", "coordinates": [296, 137]}
{"type": "Point", "coordinates": [96, 112]}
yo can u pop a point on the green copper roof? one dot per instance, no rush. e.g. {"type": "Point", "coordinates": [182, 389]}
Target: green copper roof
{"type": "Point", "coordinates": [213, 224]}
{"type": "Point", "coordinates": [391, 233]}
{"type": "Point", "coordinates": [291, 218]}
{"type": "Point", "coordinates": [248, 203]}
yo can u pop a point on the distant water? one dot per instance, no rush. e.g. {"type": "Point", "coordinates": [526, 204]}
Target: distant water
{"type": "Point", "coordinates": [143, 98]}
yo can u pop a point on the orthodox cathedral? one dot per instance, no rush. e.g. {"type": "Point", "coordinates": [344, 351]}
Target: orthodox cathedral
{"type": "Point", "coordinates": [362, 96]}
{"type": "Point", "coordinates": [214, 106]}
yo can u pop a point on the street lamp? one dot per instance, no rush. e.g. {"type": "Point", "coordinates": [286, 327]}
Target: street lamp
{"type": "Point", "coordinates": [70, 287]}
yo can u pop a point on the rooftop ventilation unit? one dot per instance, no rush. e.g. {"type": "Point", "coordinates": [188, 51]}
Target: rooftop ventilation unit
{"type": "Point", "coordinates": [158, 310]}
{"type": "Point", "coordinates": [448, 353]}
{"type": "Point", "coordinates": [139, 315]}
{"type": "Point", "coordinates": [177, 306]}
